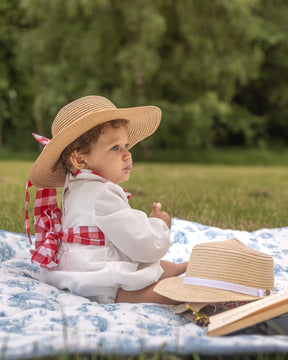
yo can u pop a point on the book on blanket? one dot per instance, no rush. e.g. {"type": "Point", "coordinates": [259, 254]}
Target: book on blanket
{"type": "Point", "coordinates": [247, 315]}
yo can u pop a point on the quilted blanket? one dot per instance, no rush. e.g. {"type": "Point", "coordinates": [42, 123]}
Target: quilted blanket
{"type": "Point", "coordinates": [39, 320]}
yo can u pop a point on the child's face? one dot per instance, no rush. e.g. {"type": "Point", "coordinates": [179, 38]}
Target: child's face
{"type": "Point", "coordinates": [109, 156]}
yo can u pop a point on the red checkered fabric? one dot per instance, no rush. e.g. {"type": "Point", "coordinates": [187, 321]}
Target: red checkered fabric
{"type": "Point", "coordinates": [41, 139]}
{"type": "Point", "coordinates": [48, 233]}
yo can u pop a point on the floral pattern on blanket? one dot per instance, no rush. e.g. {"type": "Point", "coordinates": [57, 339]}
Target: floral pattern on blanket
{"type": "Point", "coordinates": [38, 320]}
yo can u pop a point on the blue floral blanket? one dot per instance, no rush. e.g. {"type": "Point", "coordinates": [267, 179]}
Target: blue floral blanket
{"type": "Point", "coordinates": [39, 320]}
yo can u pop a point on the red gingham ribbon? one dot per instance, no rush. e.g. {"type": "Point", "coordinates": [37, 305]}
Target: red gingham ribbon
{"type": "Point", "coordinates": [41, 139]}
{"type": "Point", "coordinates": [48, 233]}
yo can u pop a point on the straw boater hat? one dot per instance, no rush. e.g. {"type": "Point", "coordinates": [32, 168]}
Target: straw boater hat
{"type": "Point", "coordinates": [75, 119]}
{"type": "Point", "coordinates": [221, 271]}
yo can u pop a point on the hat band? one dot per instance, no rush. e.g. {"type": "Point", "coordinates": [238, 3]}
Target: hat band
{"type": "Point", "coordinates": [224, 285]}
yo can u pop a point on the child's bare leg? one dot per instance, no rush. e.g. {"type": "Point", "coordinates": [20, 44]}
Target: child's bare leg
{"type": "Point", "coordinates": [147, 295]}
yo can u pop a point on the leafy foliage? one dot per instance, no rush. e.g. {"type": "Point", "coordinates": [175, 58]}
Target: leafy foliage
{"type": "Point", "coordinates": [218, 69]}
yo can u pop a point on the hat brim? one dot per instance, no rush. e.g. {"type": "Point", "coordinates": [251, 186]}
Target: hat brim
{"type": "Point", "coordinates": [143, 121]}
{"type": "Point", "coordinates": [173, 288]}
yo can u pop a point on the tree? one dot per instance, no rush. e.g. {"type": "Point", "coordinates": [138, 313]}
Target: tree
{"type": "Point", "coordinates": [267, 95]}
{"type": "Point", "coordinates": [108, 50]}
{"type": "Point", "coordinates": [10, 79]}
{"type": "Point", "coordinates": [209, 52]}
{"type": "Point", "coordinates": [217, 68]}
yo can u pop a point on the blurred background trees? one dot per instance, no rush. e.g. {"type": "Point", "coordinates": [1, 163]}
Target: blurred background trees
{"type": "Point", "coordinates": [217, 68]}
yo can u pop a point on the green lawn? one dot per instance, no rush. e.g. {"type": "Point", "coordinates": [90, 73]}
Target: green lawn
{"type": "Point", "coordinates": [238, 197]}
{"type": "Point", "coordinates": [244, 198]}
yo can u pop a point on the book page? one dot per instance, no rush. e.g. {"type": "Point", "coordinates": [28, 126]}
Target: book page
{"type": "Point", "coordinates": [247, 321]}
{"type": "Point", "coordinates": [233, 315]}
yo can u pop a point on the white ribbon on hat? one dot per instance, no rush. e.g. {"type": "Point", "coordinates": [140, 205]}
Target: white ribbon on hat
{"type": "Point", "coordinates": [224, 285]}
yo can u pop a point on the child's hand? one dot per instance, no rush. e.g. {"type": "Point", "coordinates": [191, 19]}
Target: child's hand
{"type": "Point", "coordinates": [160, 214]}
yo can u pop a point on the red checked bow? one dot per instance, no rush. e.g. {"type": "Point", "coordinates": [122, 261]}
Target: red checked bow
{"type": "Point", "coordinates": [48, 233]}
{"type": "Point", "coordinates": [47, 220]}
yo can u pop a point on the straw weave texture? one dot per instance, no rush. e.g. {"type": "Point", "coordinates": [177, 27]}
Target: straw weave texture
{"type": "Point", "coordinates": [230, 261]}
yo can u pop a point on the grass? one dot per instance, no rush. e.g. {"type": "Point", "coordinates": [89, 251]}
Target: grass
{"type": "Point", "coordinates": [236, 197]}
{"type": "Point", "coordinates": [244, 198]}
{"type": "Point", "coordinates": [13, 175]}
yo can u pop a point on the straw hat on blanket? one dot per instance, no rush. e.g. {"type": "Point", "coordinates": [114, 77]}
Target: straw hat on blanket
{"type": "Point", "coordinates": [221, 271]}
{"type": "Point", "coordinates": [75, 119]}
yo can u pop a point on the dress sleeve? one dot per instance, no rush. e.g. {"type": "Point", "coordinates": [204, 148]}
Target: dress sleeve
{"type": "Point", "coordinates": [141, 238]}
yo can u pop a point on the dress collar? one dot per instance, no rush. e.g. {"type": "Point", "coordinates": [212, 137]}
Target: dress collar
{"type": "Point", "coordinates": [86, 174]}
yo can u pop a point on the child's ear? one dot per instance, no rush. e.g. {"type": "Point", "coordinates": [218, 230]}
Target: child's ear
{"type": "Point", "coordinates": [78, 160]}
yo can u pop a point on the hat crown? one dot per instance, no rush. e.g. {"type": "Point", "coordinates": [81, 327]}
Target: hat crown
{"type": "Point", "coordinates": [232, 261]}
{"type": "Point", "coordinates": [79, 108]}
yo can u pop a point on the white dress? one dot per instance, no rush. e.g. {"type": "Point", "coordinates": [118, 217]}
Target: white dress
{"type": "Point", "coordinates": [134, 243]}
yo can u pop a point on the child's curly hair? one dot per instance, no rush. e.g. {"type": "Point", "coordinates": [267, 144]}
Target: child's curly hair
{"type": "Point", "coordinates": [83, 143]}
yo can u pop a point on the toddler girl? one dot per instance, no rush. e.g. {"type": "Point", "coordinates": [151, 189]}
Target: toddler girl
{"type": "Point", "coordinates": [97, 246]}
